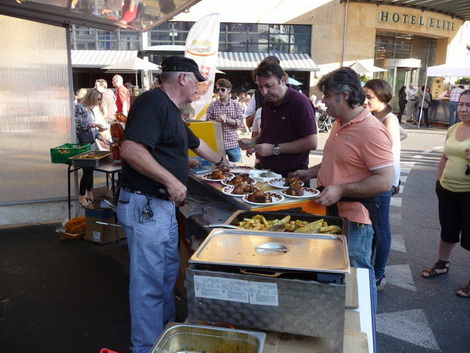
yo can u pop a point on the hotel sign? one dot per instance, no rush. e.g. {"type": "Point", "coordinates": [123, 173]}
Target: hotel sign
{"type": "Point", "coordinates": [420, 21]}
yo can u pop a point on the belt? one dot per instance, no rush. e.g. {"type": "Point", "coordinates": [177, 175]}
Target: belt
{"type": "Point", "coordinates": [161, 193]}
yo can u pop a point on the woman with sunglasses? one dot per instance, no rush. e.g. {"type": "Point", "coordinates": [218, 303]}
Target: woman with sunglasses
{"type": "Point", "coordinates": [229, 113]}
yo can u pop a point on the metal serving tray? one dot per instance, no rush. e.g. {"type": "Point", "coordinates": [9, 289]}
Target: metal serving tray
{"type": "Point", "coordinates": [102, 157]}
{"type": "Point", "coordinates": [196, 338]}
{"type": "Point", "coordinates": [274, 250]}
{"type": "Point", "coordinates": [239, 215]}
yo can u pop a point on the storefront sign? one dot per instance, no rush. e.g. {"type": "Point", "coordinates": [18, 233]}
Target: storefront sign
{"type": "Point", "coordinates": [413, 20]}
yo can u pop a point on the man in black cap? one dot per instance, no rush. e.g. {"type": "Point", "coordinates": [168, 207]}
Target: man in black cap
{"type": "Point", "coordinates": [153, 182]}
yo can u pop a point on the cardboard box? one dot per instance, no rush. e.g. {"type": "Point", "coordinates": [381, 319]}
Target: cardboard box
{"type": "Point", "coordinates": [100, 233]}
{"type": "Point", "coordinates": [101, 194]}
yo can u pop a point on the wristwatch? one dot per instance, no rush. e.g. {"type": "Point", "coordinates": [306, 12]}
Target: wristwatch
{"type": "Point", "coordinates": [276, 150]}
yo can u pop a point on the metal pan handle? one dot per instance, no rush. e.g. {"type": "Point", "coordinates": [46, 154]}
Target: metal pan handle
{"type": "Point", "coordinates": [256, 273]}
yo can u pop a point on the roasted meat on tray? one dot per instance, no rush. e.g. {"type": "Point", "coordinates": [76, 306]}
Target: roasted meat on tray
{"type": "Point", "coordinates": [291, 179]}
{"type": "Point", "coordinates": [244, 189]}
{"type": "Point", "coordinates": [295, 189]}
{"type": "Point", "coordinates": [241, 179]}
{"type": "Point", "coordinates": [259, 196]}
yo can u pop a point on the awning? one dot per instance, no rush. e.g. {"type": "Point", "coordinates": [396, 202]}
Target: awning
{"type": "Point", "coordinates": [249, 61]}
{"type": "Point", "coordinates": [226, 61]}
{"type": "Point", "coordinates": [100, 58]}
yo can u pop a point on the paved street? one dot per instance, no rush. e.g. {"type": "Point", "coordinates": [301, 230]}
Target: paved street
{"type": "Point", "coordinates": [417, 315]}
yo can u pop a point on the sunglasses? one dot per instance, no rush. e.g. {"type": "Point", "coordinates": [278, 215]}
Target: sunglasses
{"type": "Point", "coordinates": [220, 90]}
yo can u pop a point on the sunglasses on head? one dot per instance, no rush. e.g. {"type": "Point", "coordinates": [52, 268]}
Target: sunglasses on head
{"type": "Point", "coordinates": [220, 89]}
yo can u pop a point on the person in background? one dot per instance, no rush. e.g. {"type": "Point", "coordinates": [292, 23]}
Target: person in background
{"type": "Point", "coordinates": [187, 112]}
{"type": "Point", "coordinates": [123, 99]}
{"type": "Point", "coordinates": [410, 109]}
{"type": "Point", "coordinates": [357, 163]}
{"type": "Point", "coordinates": [425, 103]}
{"type": "Point", "coordinates": [85, 128]}
{"type": "Point", "coordinates": [454, 103]}
{"type": "Point", "coordinates": [445, 95]}
{"type": "Point", "coordinates": [79, 95]}
{"type": "Point", "coordinates": [108, 102]}
{"type": "Point", "coordinates": [229, 113]}
{"type": "Point", "coordinates": [288, 126]}
{"type": "Point", "coordinates": [453, 193]}
{"type": "Point", "coordinates": [153, 182]}
{"type": "Point", "coordinates": [255, 131]}
{"type": "Point", "coordinates": [378, 96]}
{"type": "Point", "coordinates": [401, 102]}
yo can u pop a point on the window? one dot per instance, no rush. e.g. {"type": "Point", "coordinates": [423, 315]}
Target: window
{"type": "Point", "coordinates": [234, 37]}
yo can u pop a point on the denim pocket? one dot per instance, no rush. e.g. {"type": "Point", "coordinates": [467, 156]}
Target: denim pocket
{"type": "Point", "coordinates": [124, 197]}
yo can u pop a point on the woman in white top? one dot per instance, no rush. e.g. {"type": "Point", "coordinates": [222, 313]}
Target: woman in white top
{"type": "Point", "coordinates": [378, 95]}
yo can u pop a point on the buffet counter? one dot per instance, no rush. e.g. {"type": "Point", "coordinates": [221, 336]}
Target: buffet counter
{"type": "Point", "coordinates": [212, 188]}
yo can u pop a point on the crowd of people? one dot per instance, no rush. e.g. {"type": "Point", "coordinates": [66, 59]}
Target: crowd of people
{"type": "Point", "coordinates": [358, 174]}
{"type": "Point", "coordinates": [95, 110]}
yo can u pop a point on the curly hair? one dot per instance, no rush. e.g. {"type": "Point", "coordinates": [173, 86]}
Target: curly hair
{"type": "Point", "coordinates": [344, 80]}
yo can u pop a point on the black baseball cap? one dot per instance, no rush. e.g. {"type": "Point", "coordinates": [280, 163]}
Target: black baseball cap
{"type": "Point", "coordinates": [183, 64]}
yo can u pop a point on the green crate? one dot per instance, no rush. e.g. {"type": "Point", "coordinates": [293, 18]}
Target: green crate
{"type": "Point", "coordinates": [62, 153]}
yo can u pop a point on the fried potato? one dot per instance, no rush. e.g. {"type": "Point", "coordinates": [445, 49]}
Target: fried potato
{"type": "Point", "coordinates": [311, 227]}
{"type": "Point", "coordinates": [259, 222]}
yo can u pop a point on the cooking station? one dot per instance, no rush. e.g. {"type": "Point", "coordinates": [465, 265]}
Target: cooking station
{"type": "Point", "coordinates": [297, 288]}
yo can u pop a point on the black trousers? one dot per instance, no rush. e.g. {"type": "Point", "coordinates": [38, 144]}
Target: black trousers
{"type": "Point", "coordinates": [86, 182]}
{"type": "Point", "coordinates": [454, 211]}
{"type": "Point", "coordinates": [402, 105]}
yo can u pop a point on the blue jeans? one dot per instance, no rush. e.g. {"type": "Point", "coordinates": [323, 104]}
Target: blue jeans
{"type": "Point", "coordinates": [234, 154]}
{"type": "Point", "coordinates": [360, 252]}
{"type": "Point", "coordinates": [383, 238]}
{"type": "Point", "coordinates": [154, 266]}
{"type": "Point", "coordinates": [453, 106]}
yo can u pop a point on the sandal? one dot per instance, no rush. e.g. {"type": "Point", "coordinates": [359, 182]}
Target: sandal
{"type": "Point", "coordinates": [439, 265]}
{"type": "Point", "coordinates": [464, 292]}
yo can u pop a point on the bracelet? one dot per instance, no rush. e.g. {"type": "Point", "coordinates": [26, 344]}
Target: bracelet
{"type": "Point", "coordinates": [220, 162]}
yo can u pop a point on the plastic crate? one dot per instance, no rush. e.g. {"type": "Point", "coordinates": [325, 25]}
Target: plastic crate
{"type": "Point", "coordinates": [62, 153]}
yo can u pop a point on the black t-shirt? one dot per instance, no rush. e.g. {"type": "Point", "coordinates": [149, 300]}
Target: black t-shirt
{"type": "Point", "coordinates": [155, 121]}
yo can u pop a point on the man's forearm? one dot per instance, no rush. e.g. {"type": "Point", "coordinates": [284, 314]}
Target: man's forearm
{"type": "Point", "coordinates": [206, 152]}
{"type": "Point", "coordinates": [373, 185]}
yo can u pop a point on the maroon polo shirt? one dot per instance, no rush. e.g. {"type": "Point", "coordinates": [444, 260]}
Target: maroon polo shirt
{"type": "Point", "coordinates": [293, 119]}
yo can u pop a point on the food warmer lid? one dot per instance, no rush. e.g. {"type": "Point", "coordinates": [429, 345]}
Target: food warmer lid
{"type": "Point", "coordinates": [274, 250]}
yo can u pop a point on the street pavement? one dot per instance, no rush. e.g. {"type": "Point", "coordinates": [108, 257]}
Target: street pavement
{"type": "Point", "coordinates": [417, 315]}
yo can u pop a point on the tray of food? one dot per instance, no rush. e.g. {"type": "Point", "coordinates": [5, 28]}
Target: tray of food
{"type": "Point", "coordinates": [239, 180]}
{"type": "Point", "coordinates": [289, 222]}
{"type": "Point", "coordinates": [262, 198]}
{"type": "Point", "coordinates": [91, 159]}
{"type": "Point", "coordinates": [285, 183]}
{"type": "Point", "coordinates": [216, 175]}
{"type": "Point", "coordinates": [62, 153]}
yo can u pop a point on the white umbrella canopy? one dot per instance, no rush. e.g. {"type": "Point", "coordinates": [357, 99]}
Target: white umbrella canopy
{"type": "Point", "coordinates": [362, 69]}
{"type": "Point", "coordinates": [133, 65]}
{"type": "Point", "coordinates": [293, 81]}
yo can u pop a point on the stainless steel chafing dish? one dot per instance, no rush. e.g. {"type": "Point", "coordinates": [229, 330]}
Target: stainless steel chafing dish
{"type": "Point", "coordinates": [182, 338]}
{"type": "Point", "coordinates": [286, 282]}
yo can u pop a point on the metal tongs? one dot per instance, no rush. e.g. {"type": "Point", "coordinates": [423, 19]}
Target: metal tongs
{"type": "Point", "coordinates": [220, 225]}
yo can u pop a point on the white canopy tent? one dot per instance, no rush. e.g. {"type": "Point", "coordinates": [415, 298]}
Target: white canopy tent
{"type": "Point", "coordinates": [457, 69]}
{"type": "Point", "coordinates": [133, 65]}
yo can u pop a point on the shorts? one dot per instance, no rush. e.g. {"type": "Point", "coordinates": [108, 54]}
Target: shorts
{"type": "Point", "coordinates": [454, 210]}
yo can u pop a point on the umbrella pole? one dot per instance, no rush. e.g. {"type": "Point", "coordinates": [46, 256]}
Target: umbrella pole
{"type": "Point", "coordinates": [136, 79]}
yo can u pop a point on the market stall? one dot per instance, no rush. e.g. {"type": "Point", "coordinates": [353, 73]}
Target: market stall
{"type": "Point", "coordinates": [439, 111]}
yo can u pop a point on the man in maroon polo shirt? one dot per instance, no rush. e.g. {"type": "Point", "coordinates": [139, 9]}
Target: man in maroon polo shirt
{"type": "Point", "coordinates": [288, 127]}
